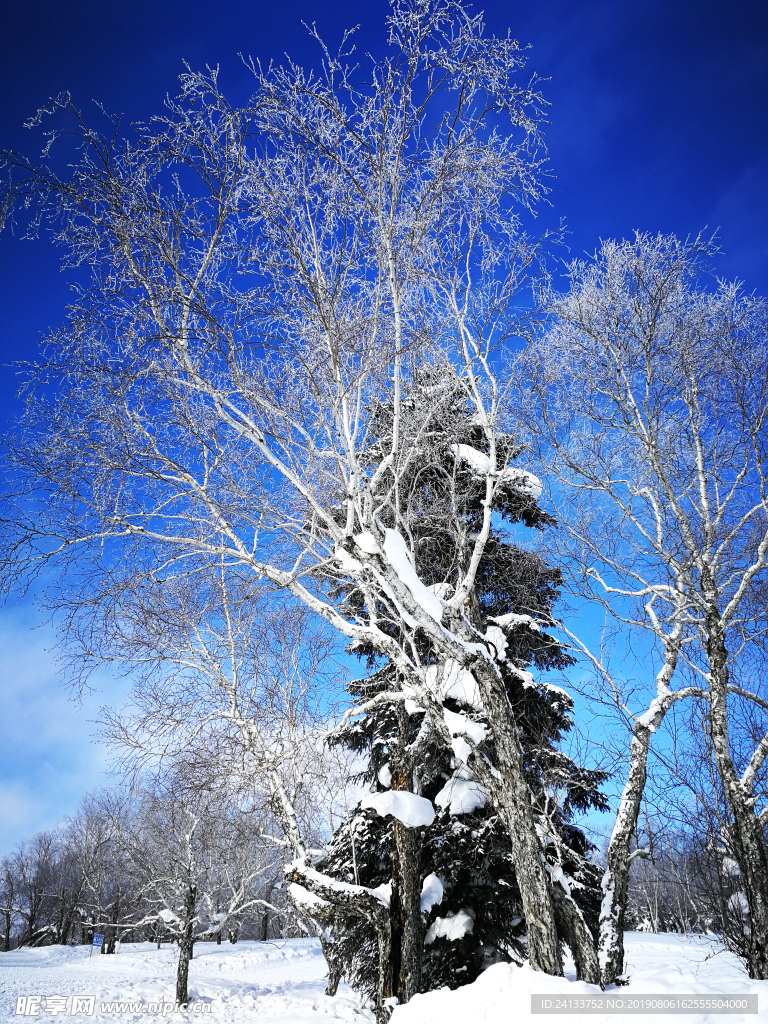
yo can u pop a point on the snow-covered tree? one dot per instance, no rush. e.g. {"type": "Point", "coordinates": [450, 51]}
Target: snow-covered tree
{"type": "Point", "coordinates": [226, 678]}
{"type": "Point", "coordinates": [191, 850]}
{"type": "Point", "coordinates": [257, 285]}
{"type": "Point", "coordinates": [33, 865]}
{"type": "Point", "coordinates": [109, 899]}
{"type": "Point", "coordinates": [649, 404]}
{"type": "Point", "coordinates": [469, 903]}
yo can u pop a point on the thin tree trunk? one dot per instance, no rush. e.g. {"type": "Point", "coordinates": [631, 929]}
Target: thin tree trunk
{"type": "Point", "coordinates": [334, 967]}
{"type": "Point", "coordinates": [746, 834]}
{"type": "Point", "coordinates": [113, 929]}
{"type": "Point", "coordinates": [62, 925]}
{"type": "Point", "coordinates": [66, 927]}
{"type": "Point", "coordinates": [264, 923]}
{"type": "Point", "coordinates": [185, 948]}
{"type": "Point", "coordinates": [615, 879]}
{"type": "Point", "coordinates": [384, 942]}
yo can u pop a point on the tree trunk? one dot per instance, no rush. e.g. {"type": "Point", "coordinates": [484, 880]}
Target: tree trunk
{"type": "Point", "coordinates": [64, 931]}
{"type": "Point", "coordinates": [615, 879]}
{"type": "Point", "coordinates": [264, 923]}
{"type": "Point", "coordinates": [31, 929]}
{"type": "Point", "coordinates": [746, 834]}
{"type": "Point", "coordinates": [573, 928]}
{"type": "Point", "coordinates": [334, 977]}
{"type": "Point", "coordinates": [512, 799]}
{"type": "Point", "coordinates": [113, 928]}
{"type": "Point", "coordinates": [405, 913]}
{"type": "Point", "coordinates": [396, 925]}
{"type": "Point", "coordinates": [186, 948]}
{"type": "Point", "coordinates": [182, 971]}
{"type": "Point", "coordinates": [406, 939]}
{"type": "Point", "coordinates": [7, 936]}
{"type": "Point", "coordinates": [334, 967]}
{"type": "Point", "coordinates": [384, 942]}
{"type": "Point", "coordinates": [63, 924]}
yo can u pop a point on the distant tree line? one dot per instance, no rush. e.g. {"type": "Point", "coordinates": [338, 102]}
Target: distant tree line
{"type": "Point", "coordinates": [146, 866]}
{"type": "Point", "coordinates": [181, 859]}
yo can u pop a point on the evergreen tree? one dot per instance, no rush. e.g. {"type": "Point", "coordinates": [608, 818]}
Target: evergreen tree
{"type": "Point", "coordinates": [472, 914]}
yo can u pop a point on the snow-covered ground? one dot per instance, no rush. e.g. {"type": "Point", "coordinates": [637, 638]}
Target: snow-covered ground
{"type": "Point", "coordinates": [655, 964]}
{"type": "Point", "coordinates": [283, 982]}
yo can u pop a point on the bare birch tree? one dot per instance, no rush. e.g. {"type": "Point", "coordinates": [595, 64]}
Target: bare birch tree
{"type": "Point", "coordinates": [256, 286]}
{"type": "Point", "coordinates": [242, 687]}
{"type": "Point", "coordinates": [650, 403]}
{"type": "Point", "coordinates": [190, 848]}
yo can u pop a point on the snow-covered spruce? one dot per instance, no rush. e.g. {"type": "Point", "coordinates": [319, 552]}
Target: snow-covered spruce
{"type": "Point", "coordinates": [469, 901]}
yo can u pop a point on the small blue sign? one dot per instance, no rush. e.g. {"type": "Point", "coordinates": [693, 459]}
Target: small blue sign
{"type": "Point", "coordinates": [98, 940]}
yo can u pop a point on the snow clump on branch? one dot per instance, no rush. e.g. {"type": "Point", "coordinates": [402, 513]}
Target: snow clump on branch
{"type": "Point", "coordinates": [412, 810]}
{"type": "Point", "coordinates": [450, 679]}
{"type": "Point", "coordinates": [453, 927]}
{"type": "Point", "coordinates": [432, 892]}
{"type": "Point", "coordinates": [480, 464]}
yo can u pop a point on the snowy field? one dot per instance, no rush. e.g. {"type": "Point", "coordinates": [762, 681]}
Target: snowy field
{"type": "Point", "coordinates": [664, 964]}
{"type": "Point", "coordinates": [283, 981]}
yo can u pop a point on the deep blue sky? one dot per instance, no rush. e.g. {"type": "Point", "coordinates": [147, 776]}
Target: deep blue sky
{"type": "Point", "coordinates": [659, 121]}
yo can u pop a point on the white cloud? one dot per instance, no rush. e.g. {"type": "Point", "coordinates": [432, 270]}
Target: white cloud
{"type": "Point", "coordinates": [49, 754]}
